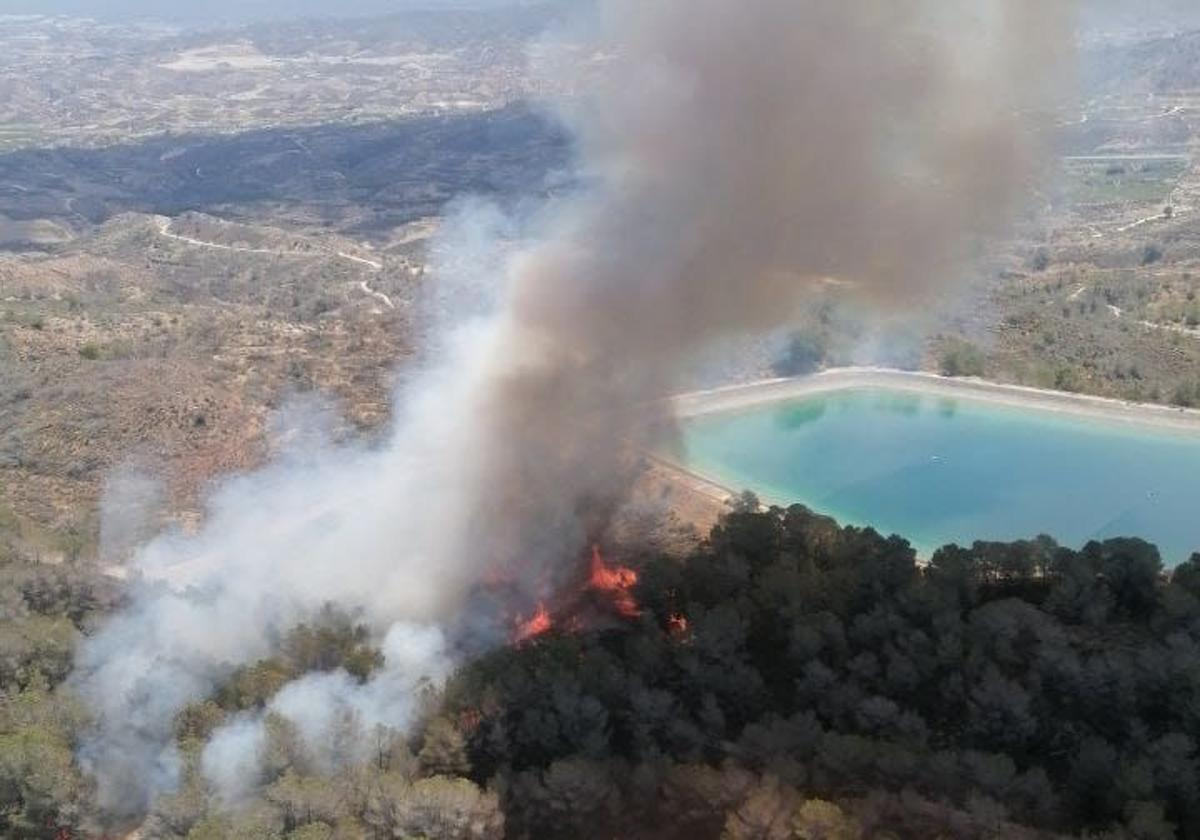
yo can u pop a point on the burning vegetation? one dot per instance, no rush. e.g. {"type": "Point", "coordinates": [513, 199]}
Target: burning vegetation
{"type": "Point", "coordinates": [607, 591]}
{"type": "Point", "coordinates": [616, 583]}
{"type": "Point", "coordinates": [536, 625]}
{"type": "Point", "coordinates": [791, 672]}
{"type": "Point", "coordinates": [787, 672]}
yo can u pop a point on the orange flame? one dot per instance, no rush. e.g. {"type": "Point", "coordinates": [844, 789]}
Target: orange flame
{"type": "Point", "coordinates": [616, 582]}
{"type": "Point", "coordinates": [537, 625]}
{"type": "Point", "coordinates": [608, 578]}
{"type": "Point", "coordinates": [469, 720]}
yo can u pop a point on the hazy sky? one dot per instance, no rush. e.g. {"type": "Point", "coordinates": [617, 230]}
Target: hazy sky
{"type": "Point", "coordinates": [217, 11]}
{"type": "Point", "coordinates": [1148, 14]}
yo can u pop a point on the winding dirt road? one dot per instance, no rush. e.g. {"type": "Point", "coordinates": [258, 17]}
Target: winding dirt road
{"type": "Point", "coordinates": [164, 229]}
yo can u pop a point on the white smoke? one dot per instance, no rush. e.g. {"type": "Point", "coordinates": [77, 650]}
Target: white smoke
{"type": "Point", "coordinates": [132, 503]}
{"type": "Point", "coordinates": [326, 708]}
{"type": "Point", "coordinates": [731, 155]}
{"type": "Point", "coordinates": [377, 530]}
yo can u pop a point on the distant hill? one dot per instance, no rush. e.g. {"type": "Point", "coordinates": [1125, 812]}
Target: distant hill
{"type": "Point", "coordinates": [218, 12]}
{"type": "Point", "coordinates": [360, 179]}
{"type": "Point", "coordinates": [1161, 65]}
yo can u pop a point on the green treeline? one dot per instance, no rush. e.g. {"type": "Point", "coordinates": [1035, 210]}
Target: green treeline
{"type": "Point", "coordinates": [789, 679]}
{"type": "Point", "coordinates": [1003, 689]}
{"type": "Point", "coordinates": [44, 612]}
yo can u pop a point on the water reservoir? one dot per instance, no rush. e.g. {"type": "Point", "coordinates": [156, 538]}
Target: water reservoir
{"type": "Point", "coordinates": [940, 468]}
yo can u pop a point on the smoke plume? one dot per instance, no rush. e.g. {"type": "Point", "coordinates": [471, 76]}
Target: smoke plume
{"type": "Point", "coordinates": [729, 156]}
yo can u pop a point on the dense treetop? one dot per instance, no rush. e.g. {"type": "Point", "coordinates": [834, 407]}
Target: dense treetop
{"type": "Point", "coordinates": [789, 678]}
{"type": "Point", "coordinates": [1055, 689]}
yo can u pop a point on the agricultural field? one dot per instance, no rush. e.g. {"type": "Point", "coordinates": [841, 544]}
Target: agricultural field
{"type": "Point", "coordinates": [19, 136]}
{"type": "Point", "coordinates": [1117, 179]}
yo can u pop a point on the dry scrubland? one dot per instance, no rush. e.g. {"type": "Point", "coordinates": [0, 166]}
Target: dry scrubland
{"type": "Point", "coordinates": [129, 347]}
{"type": "Point", "coordinates": [76, 82]}
{"type": "Point", "coordinates": [120, 343]}
{"type": "Point", "coordinates": [1099, 290]}
{"type": "Point", "coordinates": [163, 339]}
{"type": "Point", "coordinates": [197, 227]}
{"type": "Point", "coordinates": [1102, 294]}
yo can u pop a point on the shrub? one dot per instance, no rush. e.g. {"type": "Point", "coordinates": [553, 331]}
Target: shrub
{"type": "Point", "coordinates": [1067, 379]}
{"type": "Point", "coordinates": [962, 358]}
{"type": "Point", "coordinates": [804, 354]}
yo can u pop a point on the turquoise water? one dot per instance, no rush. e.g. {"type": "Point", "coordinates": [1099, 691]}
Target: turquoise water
{"type": "Point", "coordinates": [937, 470]}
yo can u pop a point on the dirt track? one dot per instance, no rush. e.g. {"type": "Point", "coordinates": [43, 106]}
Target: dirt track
{"type": "Point", "coordinates": [1020, 396]}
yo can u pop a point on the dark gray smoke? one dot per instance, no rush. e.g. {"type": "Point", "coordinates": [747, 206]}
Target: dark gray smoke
{"type": "Point", "coordinates": [734, 153]}
{"type": "Point", "coordinates": [742, 151]}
